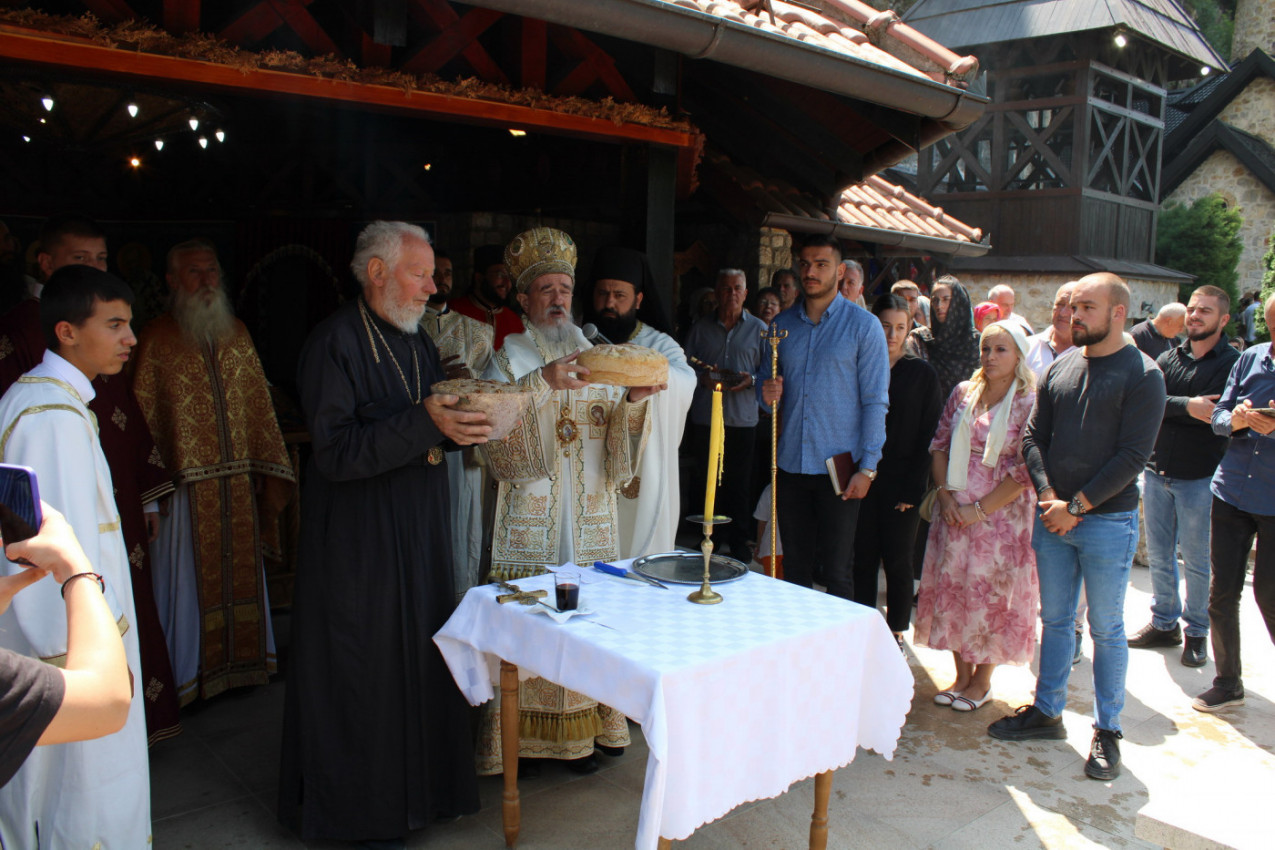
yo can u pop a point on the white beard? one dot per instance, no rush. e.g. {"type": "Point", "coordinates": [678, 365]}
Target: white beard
{"type": "Point", "coordinates": [204, 321]}
{"type": "Point", "coordinates": [557, 339]}
{"type": "Point", "coordinates": [406, 316]}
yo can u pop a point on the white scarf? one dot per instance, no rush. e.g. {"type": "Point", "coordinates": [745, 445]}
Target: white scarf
{"type": "Point", "coordinates": [958, 457]}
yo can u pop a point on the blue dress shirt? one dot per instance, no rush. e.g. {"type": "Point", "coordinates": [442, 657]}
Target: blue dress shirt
{"type": "Point", "coordinates": [1246, 476]}
{"type": "Point", "coordinates": [836, 387]}
{"type": "Point", "coordinates": [739, 349]}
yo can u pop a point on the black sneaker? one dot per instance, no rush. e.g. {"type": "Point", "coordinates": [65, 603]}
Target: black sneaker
{"type": "Point", "coordinates": [1216, 699]}
{"type": "Point", "coordinates": [1027, 723]}
{"type": "Point", "coordinates": [1195, 652]}
{"type": "Point", "coordinates": [1149, 636]}
{"type": "Point", "coordinates": [1104, 755]}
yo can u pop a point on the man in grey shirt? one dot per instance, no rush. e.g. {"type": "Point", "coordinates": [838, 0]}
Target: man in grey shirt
{"type": "Point", "coordinates": [1094, 425]}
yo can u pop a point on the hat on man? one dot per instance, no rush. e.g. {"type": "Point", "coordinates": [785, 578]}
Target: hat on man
{"type": "Point", "coordinates": [540, 251]}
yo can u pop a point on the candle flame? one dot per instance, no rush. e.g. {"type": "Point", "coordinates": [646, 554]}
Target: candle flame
{"type": "Point", "coordinates": [719, 388]}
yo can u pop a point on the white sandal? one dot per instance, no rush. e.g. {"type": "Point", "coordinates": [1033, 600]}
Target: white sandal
{"type": "Point", "coordinates": [962, 703]}
{"type": "Point", "coordinates": [946, 698]}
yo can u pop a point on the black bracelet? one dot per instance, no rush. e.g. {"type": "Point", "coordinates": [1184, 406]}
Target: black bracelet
{"type": "Point", "coordinates": [100, 581]}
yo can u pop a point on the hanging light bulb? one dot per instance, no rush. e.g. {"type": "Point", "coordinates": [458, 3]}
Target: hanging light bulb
{"type": "Point", "coordinates": [194, 124]}
{"type": "Point", "coordinates": [135, 161]}
{"type": "Point", "coordinates": [159, 144]}
{"type": "Point", "coordinates": [517, 134]}
{"type": "Point", "coordinates": [26, 138]}
{"type": "Point", "coordinates": [221, 135]}
{"type": "Point", "coordinates": [1204, 70]}
{"type": "Point", "coordinates": [133, 109]}
{"type": "Point", "coordinates": [203, 141]}
{"type": "Point", "coordinates": [44, 121]}
{"type": "Point", "coordinates": [47, 100]}
{"type": "Point", "coordinates": [1121, 41]}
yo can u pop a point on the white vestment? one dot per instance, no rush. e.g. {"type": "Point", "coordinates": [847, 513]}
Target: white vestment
{"type": "Point", "coordinates": [89, 793]}
{"type": "Point", "coordinates": [560, 468]}
{"type": "Point", "coordinates": [470, 340]}
{"type": "Point", "coordinates": [649, 517]}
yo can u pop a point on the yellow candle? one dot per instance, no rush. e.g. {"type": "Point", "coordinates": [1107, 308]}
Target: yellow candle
{"type": "Point", "coordinates": [716, 436]}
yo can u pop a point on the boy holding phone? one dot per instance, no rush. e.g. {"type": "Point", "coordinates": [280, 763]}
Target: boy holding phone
{"type": "Point", "coordinates": [93, 793]}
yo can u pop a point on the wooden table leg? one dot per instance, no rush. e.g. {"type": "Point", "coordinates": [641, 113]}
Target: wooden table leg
{"type": "Point", "coordinates": [819, 820]}
{"type": "Point", "coordinates": [511, 806]}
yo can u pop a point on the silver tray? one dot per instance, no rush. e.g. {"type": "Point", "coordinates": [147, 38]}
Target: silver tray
{"type": "Point", "coordinates": [688, 568]}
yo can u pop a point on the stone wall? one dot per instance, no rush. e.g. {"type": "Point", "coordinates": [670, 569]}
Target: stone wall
{"type": "Point", "coordinates": [1223, 173]}
{"type": "Point", "coordinates": [1254, 27]}
{"type": "Point", "coordinates": [774, 252]}
{"type": "Point", "coordinates": [1253, 110]}
{"type": "Point", "coordinates": [1034, 293]}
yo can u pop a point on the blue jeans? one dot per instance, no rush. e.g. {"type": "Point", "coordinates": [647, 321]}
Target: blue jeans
{"type": "Point", "coordinates": [1098, 552]}
{"type": "Point", "coordinates": [1177, 514]}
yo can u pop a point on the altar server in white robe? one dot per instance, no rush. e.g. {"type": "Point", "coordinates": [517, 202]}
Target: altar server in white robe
{"type": "Point", "coordinates": [622, 302]}
{"type": "Point", "coordinates": [92, 793]}
{"type": "Point", "coordinates": [559, 472]}
{"type": "Point", "coordinates": [465, 346]}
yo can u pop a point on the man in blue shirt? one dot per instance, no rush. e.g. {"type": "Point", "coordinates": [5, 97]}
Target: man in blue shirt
{"type": "Point", "coordinates": [833, 391]}
{"type": "Point", "coordinates": [1243, 508]}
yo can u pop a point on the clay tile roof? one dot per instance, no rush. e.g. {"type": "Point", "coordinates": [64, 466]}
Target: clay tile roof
{"type": "Point", "coordinates": [850, 28]}
{"type": "Point", "coordinates": [875, 204]}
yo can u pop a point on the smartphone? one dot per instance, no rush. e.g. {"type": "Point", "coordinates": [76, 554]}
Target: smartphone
{"type": "Point", "coordinates": [20, 515]}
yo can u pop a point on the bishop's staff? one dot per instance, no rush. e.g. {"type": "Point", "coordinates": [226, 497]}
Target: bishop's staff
{"type": "Point", "coordinates": [773, 335]}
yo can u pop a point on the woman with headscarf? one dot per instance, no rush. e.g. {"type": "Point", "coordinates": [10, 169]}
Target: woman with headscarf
{"type": "Point", "coordinates": [979, 592]}
{"type": "Point", "coordinates": [950, 343]}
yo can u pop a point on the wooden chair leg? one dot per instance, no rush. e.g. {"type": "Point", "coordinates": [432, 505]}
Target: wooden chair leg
{"type": "Point", "coordinates": [511, 805]}
{"type": "Point", "coordinates": [819, 820]}
{"type": "Point", "coordinates": [665, 843]}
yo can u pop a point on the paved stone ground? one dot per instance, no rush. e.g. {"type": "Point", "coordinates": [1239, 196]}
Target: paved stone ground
{"type": "Point", "coordinates": [948, 786]}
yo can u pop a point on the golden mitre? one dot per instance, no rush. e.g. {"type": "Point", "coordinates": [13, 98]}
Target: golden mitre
{"type": "Point", "coordinates": [538, 251]}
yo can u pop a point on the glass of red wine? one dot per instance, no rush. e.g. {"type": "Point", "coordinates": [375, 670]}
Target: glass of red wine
{"type": "Point", "coordinates": [566, 584]}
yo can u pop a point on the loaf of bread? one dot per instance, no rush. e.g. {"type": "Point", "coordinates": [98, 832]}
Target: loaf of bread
{"type": "Point", "coordinates": [504, 404]}
{"type": "Point", "coordinates": [625, 365]}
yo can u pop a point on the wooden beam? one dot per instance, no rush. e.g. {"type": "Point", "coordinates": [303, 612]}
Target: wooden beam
{"type": "Point", "coordinates": [110, 10]}
{"type": "Point", "coordinates": [594, 64]}
{"type": "Point", "coordinates": [374, 54]}
{"type": "Point", "coordinates": [181, 16]}
{"type": "Point", "coordinates": [82, 55]}
{"type": "Point", "coordinates": [534, 54]}
{"type": "Point", "coordinates": [268, 15]}
{"type": "Point", "coordinates": [457, 36]}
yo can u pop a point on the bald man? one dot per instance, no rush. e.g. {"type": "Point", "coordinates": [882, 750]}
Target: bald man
{"type": "Point", "coordinates": [1002, 295]}
{"type": "Point", "coordinates": [1096, 417]}
{"type": "Point", "coordinates": [1158, 335]}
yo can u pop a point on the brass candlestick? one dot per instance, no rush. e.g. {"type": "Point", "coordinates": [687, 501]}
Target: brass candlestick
{"type": "Point", "coordinates": [773, 335]}
{"type": "Point", "coordinates": [706, 595]}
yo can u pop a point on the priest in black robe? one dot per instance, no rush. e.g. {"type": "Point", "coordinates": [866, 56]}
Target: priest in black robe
{"type": "Point", "coordinates": [376, 739]}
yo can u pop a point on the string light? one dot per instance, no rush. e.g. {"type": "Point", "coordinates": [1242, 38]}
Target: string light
{"type": "Point", "coordinates": [133, 109]}
{"type": "Point", "coordinates": [159, 144]}
{"type": "Point", "coordinates": [203, 141]}
{"type": "Point", "coordinates": [1121, 41]}
{"type": "Point", "coordinates": [1204, 70]}
{"type": "Point", "coordinates": [47, 100]}
{"type": "Point", "coordinates": [221, 135]}
{"type": "Point", "coordinates": [428, 166]}
{"type": "Point", "coordinates": [517, 134]}
{"type": "Point", "coordinates": [26, 138]}
{"type": "Point", "coordinates": [136, 162]}
{"type": "Point", "coordinates": [194, 124]}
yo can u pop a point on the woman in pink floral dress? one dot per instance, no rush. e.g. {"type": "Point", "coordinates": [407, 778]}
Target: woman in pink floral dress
{"type": "Point", "coordinates": [979, 595]}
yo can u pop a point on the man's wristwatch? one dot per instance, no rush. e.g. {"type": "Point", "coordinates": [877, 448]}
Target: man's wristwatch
{"type": "Point", "coordinates": [1075, 507]}
{"type": "Point", "coordinates": [870, 474]}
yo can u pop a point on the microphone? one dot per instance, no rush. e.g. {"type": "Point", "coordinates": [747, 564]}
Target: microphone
{"type": "Point", "coordinates": [592, 334]}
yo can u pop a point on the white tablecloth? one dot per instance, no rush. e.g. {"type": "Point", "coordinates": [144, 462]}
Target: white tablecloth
{"type": "Point", "coordinates": [737, 701]}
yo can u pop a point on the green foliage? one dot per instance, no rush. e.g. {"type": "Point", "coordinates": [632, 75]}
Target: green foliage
{"type": "Point", "coordinates": [1268, 289]}
{"type": "Point", "coordinates": [1203, 240]}
{"type": "Point", "coordinates": [1216, 19]}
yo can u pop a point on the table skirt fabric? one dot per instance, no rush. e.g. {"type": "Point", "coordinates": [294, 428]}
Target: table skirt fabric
{"type": "Point", "coordinates": [737, 701]}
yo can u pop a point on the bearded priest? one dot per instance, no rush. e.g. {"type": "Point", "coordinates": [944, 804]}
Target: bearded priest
{"type": "Point", "coordinates": [201, 386]}
{"type": "Point", "coordinates": [622, 302]}
{"type": "Point", "coordinates": [559, 472]}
